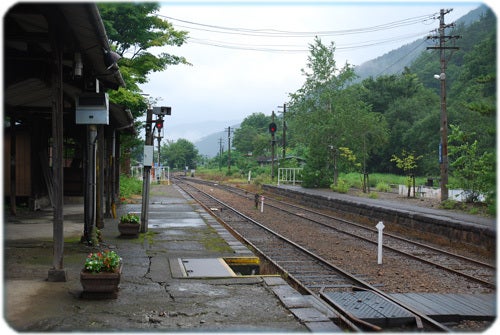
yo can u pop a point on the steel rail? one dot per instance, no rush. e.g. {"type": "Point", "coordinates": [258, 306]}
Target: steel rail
{"type": "Point", "coordinates": [359, 282]}
{"type": "Point", "coordinates": [481, 281]}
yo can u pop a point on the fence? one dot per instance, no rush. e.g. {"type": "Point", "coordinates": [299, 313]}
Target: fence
{"type": "Point", "coordinates": [158, 174]}
{"type": "Point", "coordinates": [289, 175]}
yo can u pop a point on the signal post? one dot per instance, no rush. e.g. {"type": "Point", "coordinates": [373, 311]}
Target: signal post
{"type": "Point", "coordinates": [272, 130]}
{"type": "Point", "coordinates": [148, 158]}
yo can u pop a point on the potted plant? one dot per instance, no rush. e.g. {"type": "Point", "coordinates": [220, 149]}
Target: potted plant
{"type": "Point", "coordinates": [129, 225]}
{"type": "Point", "coordinates": [100, 277]}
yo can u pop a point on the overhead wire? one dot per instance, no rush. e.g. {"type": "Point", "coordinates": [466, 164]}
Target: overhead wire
{"type": "Point", "coordinates": [292, 48]}
{"type": "Point", "coordinates": [417, 47]}
{"type": "Point", "coordinates": [263, 32]}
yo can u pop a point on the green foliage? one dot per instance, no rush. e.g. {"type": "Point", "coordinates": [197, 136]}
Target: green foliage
{"type": "Point", "coordinates": [130, 218]}
{"type": "Point", "coordinates": [407, 162]}
{"type": "Point", "coordinates": [129, 186]}
{"type": "Point", "coordinates": [382, 187]}
{"type": "Point", "coordinates": [341, 187]}
{"type": "Point", "coordinates": [451, 204]}
{"type": "Point", "coordinates": [253, 135]}
{"type": "Point", "coordinates": [133, 30]}
{"type": "Point", "coordinates": [179, 154]}
{"type": "Point", "coordinates": [325, 114]}
{"type": "Point", "coordinates": [315, 178]}
{"type": "Point", "coordinates": [407, 108]}
{"type": "Point", "coordinates": [349, 157]}
{"type": "Point", "coordinates": [474, 170]}
{"type": "Point", "coordinates": [355, 179]}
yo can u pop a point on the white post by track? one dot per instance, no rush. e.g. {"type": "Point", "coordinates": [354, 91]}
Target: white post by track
{"type": "Point", "coordinates": [380, 227]}
{"type": "Point", "coordinates": [262, 204]}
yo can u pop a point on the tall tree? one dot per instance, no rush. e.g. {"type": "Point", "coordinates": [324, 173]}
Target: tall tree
{"type": "Point", "coordinates": [328, 116]}
{"type": "Point", "coordinates": [253, 135]}
{"type": "Point", "coordinates": [412, 114]}
{"type": "Point", "coordinates": [133, 29]}
{"type": "Point", "coordinates": [179, 154]}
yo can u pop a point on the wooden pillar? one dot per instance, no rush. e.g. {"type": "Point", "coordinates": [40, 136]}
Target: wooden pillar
{"type": "Point", "coordinates": [109, 172]}
{"type": "Point", "coordinates": [100, 178]}
{"type": "Point", "coordinates": [13, 191]}
{"type": "Point", "coordinates": [57, 272]}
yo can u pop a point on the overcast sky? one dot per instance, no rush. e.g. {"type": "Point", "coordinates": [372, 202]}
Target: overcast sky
{"type": "Point", "coordinates": [247, 57]}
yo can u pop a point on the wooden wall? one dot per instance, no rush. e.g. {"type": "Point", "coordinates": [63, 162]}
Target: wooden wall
{"type": "Point", "coordinates": [23, 164]}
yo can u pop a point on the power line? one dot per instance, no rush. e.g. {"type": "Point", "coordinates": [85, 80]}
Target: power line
{"type": "Point", "coordinates": [300, 47]}
{"type": "Point", "coordinates": [401, 58]}
{"type": "Point", "coordinates": [289, 48]}
{"type": "Point", "coordinates": [266, 32]}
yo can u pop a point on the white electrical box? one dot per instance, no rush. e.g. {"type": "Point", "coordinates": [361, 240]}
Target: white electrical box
{"type": "Point", "coordinates": [92, 108]}
{"type": "Point", "coordinates": [148, 155]}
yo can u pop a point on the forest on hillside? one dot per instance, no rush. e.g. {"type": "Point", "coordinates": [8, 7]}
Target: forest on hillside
{"type": "Point", "coordinates": [337, 125]}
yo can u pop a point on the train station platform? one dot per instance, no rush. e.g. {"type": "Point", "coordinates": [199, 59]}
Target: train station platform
{"type": "Point", "coordinates": [400, 206]}
{"type": "Point", "coordinates": [460, 228]}
{"type": "Point", "coordinates": [177, 277]}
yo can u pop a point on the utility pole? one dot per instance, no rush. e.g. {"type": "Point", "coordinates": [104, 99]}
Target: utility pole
{"type": "Point", "coordinates": [284, 131]}
{"type": "Point", "coordinates": [272, 129]}
{"type": "Point", "coordinates": [221, 150]}
{"type": "Point", "coordinates": [229, 149]}
{"type": "Point", "coordinates": [148, 160]}
{"type": "Point", "coordinates": [443, 157]}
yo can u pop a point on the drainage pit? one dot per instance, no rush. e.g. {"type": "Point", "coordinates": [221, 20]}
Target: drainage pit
{"type": "Point", "coordinates": [244, 266]}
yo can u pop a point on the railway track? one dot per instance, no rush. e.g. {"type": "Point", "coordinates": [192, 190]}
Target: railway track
{"type": "Point", "coordinates": [475, 270]}
{"type": "Point", "coordinates": [310, 272]}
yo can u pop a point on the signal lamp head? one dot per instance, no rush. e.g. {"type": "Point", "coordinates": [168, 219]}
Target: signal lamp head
{"type": "Point", "coordinates": [159, 124]}
{"type": "Point", "coordinates": [272, 128]}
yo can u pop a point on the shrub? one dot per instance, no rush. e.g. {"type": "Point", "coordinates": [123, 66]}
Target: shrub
{"type": "Point", "coordinates": [342, 186]}
{"type": "Point", "coordinates": [382, 187]}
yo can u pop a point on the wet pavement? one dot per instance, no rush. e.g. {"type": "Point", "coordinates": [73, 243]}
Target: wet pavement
{"type": "Point", "coordinates": [155, 293]}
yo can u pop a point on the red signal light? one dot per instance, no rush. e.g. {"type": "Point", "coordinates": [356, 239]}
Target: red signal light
{"type": "Point", "coordinates": [272, 128]}
{"type": "Point", "coordinates": [159, 124]}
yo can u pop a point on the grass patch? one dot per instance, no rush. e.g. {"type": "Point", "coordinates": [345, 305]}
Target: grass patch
{"type": "Point", "coordinates": [383, 187]}
{"type": "Point", "coordinates": [213, 242]}
{"type": "Point", "coordinates": [147, 236]}
{"type": "Point", "coordinates": [130, 186]}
